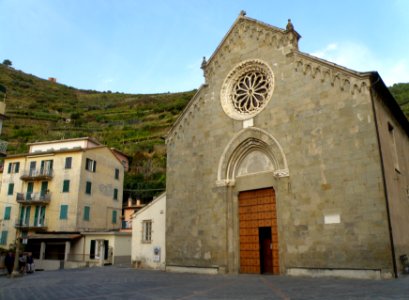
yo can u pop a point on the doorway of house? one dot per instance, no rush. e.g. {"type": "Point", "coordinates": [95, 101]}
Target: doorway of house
{"type": "Point", "coordinates": [266, 250]}
{"type": "Point", "coordinates": [258, 232]}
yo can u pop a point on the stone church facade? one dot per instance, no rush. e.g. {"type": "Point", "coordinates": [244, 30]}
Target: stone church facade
{"type": "Point", "coordinates": [284, 163]}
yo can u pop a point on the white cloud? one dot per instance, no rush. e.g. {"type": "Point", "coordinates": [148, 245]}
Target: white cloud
{"type": "Point", "coordinates": [358, 57]}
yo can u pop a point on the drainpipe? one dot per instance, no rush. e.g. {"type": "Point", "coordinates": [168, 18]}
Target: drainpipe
{"type": "Point", "coordinates": [383, 176]}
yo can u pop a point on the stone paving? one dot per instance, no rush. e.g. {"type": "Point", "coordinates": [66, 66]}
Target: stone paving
{"type": "Point", "coordinates": [126, 283]}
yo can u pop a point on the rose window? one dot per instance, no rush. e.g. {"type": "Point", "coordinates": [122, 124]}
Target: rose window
{"type": "Point", "coordinates": [250, 92]}
{"type": "Point", "coordinates": [247, 89]}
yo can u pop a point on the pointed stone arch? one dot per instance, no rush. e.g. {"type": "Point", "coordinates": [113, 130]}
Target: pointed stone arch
{"type": "Point", "coordinates": [241, 145]}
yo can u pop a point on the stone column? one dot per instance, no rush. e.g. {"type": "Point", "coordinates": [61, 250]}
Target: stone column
{"type": "Point", "coordinates": [67, 250]}
{"type": "Point", "coordinates": [42, 250]}
{"type": "Point", "coordinates": [101, 252]}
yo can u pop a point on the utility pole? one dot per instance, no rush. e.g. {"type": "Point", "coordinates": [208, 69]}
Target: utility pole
{"type": "Point", "coordinates": [16, 271]}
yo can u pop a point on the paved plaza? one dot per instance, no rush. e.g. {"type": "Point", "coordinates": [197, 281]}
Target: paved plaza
{"type": "Point", "coordinates": [126, 283]}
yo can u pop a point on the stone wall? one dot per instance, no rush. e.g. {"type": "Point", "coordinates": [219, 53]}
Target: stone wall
{"type": "Point", "coordinates": [320, 116]}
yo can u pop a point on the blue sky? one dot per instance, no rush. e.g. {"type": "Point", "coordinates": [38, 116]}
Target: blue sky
{"type": "Point", "coordinates": [157, 46]}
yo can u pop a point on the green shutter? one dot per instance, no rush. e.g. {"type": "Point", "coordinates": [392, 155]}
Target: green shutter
{"type": "Point", "coordinates": [88, 188]}
{"type": "Point", "coordinates": [63, 212]}
{"type": "Point", "coordinates": [114, 217]}
{"type": "Point", "coordinates": [86, 213]}
{"type": "Point", "coordinates": [36, 215]}
{"type": "Point", "coordinates": [66, 186]}
{"type": "Point", "coordinates": [115, 194]}
{"type": "Point", "coordinates": [7, 213]}
{"type": "Point", "coordinates": [9, 168]}
{"type": "Point", "coordinates": [27, 219]}
{"type": "Point", "coordinates": [3, 238]}
{"type": "Point", "coordinates": [11, 189]}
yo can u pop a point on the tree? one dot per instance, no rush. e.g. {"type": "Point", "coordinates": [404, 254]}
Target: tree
{"type": "Point", "coordinates": [7, 62]}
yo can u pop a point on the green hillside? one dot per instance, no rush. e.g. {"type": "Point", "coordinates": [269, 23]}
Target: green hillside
{"type": "Point", "coordinates": [39, 110]}
{"type": "Point", "coordinates": [401, 93]}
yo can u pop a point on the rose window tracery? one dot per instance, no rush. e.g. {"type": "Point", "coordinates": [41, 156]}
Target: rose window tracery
{"type": "Point", "coordinates": [247, 89]}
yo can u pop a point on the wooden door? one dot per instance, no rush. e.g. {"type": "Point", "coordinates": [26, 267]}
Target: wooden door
{"type": "Point", "coordinates": [257, 209]}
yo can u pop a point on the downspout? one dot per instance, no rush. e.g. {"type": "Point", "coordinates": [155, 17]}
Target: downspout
{"type": "Point", "coordinates": [385, 189]}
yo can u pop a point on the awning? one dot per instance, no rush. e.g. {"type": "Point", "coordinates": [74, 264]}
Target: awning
{"type": "Point", "coordinates": [53, 236]}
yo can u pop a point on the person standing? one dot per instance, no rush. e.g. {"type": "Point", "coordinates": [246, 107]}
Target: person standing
{"type": "Point", "coordinates": [9, 262]}
{"type": "Point", "coordinates": [30, 263]}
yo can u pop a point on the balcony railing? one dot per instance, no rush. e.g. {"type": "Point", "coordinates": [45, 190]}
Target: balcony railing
{"type": "Point", "coordinates": [26, 224]}
{"type": "Point", "coordinates": [33, 198]}
{"type": "Point", "coordinates": [37, 174]}
{"type": "Point", "coordinates": [126, 224]}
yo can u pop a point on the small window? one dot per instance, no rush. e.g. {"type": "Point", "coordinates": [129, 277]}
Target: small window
{"type": "Point", "coordinates": [13, 168]}
{"type": "Point", "coordinates": [392, 140]}
{"type": "Point", "coordinates": [68, 162]}
{"type": "Point", "coordinates": [146, 231]}
{"type": "Point", "coordinates": [88, 188]}
{"type": "Point", "coordinates": [11, 189]}
{"type": "Point", "coordinates": [64, 212]}
{"type": "Point", "coordinates": [115, 194]}
{"type": "Point", "coordinates": [116, 173]}
{"type": "Point", "coordinates": [66, 186]}
{"type": "Point", "coordinates": [91, 165]}
{"type": "Point", "coordinates": [86, 213]}
{"type": "Point", "coordinates": [114, 217]}
{"type": "Point", "coordinates": [3, 238]}
{"type": "Point", "coordinates": [7, 212]}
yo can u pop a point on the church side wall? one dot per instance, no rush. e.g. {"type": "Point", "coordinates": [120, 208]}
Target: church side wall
{"type": "Point", "coordinates": [394, 146]}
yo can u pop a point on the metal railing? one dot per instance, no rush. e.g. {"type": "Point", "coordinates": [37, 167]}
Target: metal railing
{"type": "Point", "coordinates": [42, 173]}
{"type": "Point", "coordinates": [126, 224]}
{"type": "Point", "coordinates": [33, 198]}
{"type": "Point", "coordinates": [39, 223]}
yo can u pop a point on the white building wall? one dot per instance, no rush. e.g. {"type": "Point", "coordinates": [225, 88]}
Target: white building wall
{"type": "Point", "coordinates": [143, 252]}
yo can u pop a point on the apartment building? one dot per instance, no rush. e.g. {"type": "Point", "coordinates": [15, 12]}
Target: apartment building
{"type": "Point", "coordinates": [57, 191]}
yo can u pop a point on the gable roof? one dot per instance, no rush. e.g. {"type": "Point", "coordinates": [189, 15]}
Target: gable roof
{"type": "Point", "coordinates": [242, 17]}
{"type": "Point", "coordinates": [372, 76]}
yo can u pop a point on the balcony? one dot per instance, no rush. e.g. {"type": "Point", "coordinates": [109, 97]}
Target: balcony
{"type": "Point", "coordinates": [37, 174]}
{"type": "Point", "coordinates": [40, 224]}
{"type": "Point", "coordinates": [33, 198]}
{"type": "Point", "coordinates": [126, 225]}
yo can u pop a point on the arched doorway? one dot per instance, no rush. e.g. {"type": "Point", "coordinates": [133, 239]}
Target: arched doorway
{"type": "Point", "coordinates": [258, 232]}
{"type": "Point", "coordinates": [252, 171]}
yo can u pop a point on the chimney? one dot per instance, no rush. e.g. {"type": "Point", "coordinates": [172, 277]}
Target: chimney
{"type": "Point", "coordinates": [129, 201]}
{"type": "Point", "coordinates": [138, 202]}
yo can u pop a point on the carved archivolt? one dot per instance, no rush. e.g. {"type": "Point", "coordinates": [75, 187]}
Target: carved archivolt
{"type": "Point", "coordinates": [241, 145]}
{"type": "Point", "coordinates": [338, 77]}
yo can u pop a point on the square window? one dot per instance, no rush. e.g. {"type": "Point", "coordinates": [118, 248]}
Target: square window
{"type": "Point", "coordinates": [11, 189]}
{"type": "Point", "coordinates": [90, 165]}
{"type": "Point", "coordinates": [88, 188]}
{"type": "Point", "coordinates": [64, 212]}
{"type": "Point", "coordinates": [66, 186]}
{"type": "Point", "coordinates": [68, 162]}
{"type": "Point", "coordinates": [146, 231]}
{"type": "Point", "coordinates": [7, 212]}
{"type": "Point", "coordinates": [86, 213]}
{"type": "Point", "coordinates": [13, 167]}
